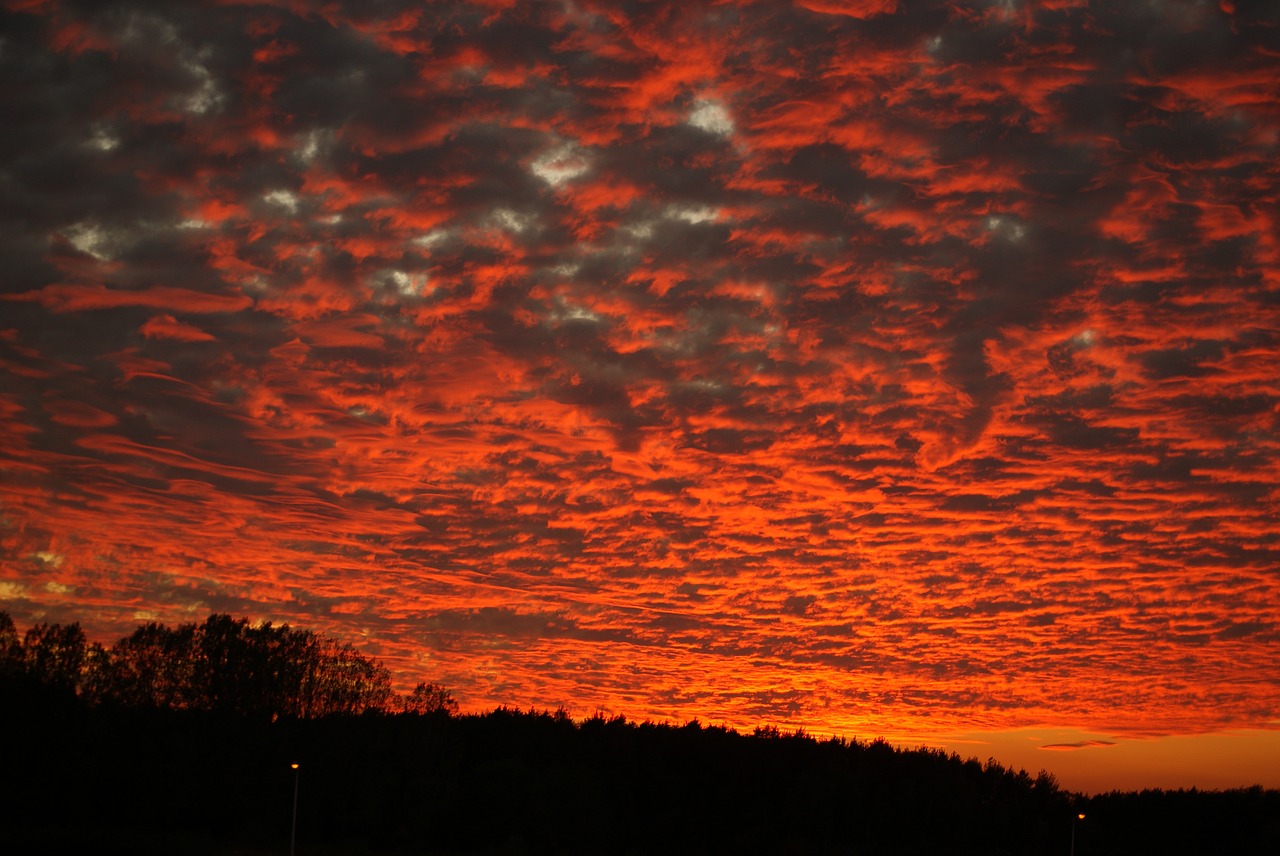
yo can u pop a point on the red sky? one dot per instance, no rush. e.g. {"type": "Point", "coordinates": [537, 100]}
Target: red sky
{"type": "Point", "coordinates": [872, 367]}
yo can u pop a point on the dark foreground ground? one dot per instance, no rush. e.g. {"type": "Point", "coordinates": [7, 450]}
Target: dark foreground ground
{"type": "Point", "coordinates": [80, 780]}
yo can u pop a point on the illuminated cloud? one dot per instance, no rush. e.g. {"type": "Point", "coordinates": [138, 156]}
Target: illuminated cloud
{"type": "Point", "coordinates": [712, 117]}
{"type": "Point", "coordinates": [871, 367]}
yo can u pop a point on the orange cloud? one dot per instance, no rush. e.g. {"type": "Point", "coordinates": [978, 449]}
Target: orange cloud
{"type": "Point", "coordinates": [896, 368]}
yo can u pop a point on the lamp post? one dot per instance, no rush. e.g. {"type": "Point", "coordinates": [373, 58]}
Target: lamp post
{"type": "Point", "coordinates": [1079, 816]}
{"type": "Point", "coordinates": [293, 827]}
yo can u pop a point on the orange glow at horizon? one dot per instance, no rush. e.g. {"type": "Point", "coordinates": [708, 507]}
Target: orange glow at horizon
{"type": "Point", "coordinates": [857, 368]}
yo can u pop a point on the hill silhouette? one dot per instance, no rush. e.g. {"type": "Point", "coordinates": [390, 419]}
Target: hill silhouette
{"type": "Point", "coordinates": [171, 765]}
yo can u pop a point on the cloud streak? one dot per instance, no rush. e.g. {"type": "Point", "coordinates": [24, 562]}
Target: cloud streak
{"type": "Point", "coordinates": [1081, 744]}
{"type": "Point", "coordinates": [873, 368]}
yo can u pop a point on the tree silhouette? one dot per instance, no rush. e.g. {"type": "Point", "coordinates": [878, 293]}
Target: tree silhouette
{"type": "Point", "coordinates": [430, 698]}
{"type": "Point", "coordinates": [224, 665]}
{"type": "Point", "coordinates": [54, 656]}
{"type": "Point", "coordinates": [349, 682]}
{"type": "Point", "coordinates": [264, 670]}
{"type": "Point", "coordinates": [154, 667]}
{"type": "Point", "coordinates": [10, 648]}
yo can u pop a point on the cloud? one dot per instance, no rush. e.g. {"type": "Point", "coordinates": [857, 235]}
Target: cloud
{"type": "Point", "coordinates": [168, 327]}
{"type": "Point", "coordinates": [1079, 744]}
{"type": "Point", "coordinates": [855, 363]}
{"type": "Point", "coordinates": [67, 298]}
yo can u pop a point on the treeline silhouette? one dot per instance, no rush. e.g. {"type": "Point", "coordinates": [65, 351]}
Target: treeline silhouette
{"type": "Point", "coordinates": [108, 750]}
{"type": "Point", "coordinates": [224, 665]}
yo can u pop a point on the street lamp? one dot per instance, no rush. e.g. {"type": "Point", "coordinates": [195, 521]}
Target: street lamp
{"type": "Point", "coordinates": [293, 827]}
{"type": "Point", "coordinates": [1079, 816]}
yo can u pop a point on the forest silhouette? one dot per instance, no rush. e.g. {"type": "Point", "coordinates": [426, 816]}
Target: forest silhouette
{"type": "Point", "coordinates": [181, 740]}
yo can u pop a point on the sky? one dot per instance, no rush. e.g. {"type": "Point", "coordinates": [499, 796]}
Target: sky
{"type": "Point", "coordinates": [877, 368]}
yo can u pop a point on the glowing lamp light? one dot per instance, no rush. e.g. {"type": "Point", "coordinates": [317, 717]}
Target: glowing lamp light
{"type": "Point", "coordinates": [1078, 817]}
{"type": "Point", "coordinates": [293, 822]}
